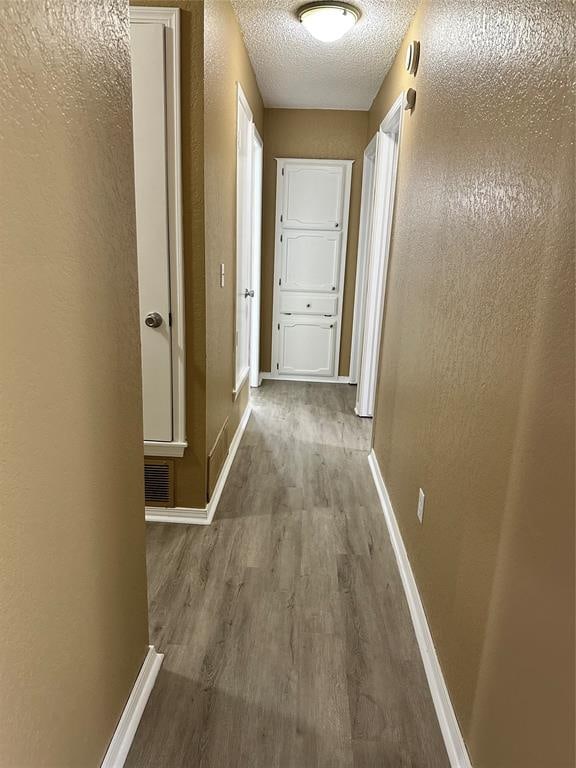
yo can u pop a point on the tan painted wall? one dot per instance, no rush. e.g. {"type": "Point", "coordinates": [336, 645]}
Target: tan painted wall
{"type": "Point", "coordinates": [311, 133]}
{"type": "Point", "coordinates": [190, 470]}
{"type": "Point", "coordinates": [73, 581]}
{"type": "Point", "coordinates": [225, 63]}
{"type": "Point", "coordinates": [476, 394]}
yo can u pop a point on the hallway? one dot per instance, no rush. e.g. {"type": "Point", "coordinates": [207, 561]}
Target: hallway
{"type": "Point", "coordinates": [287, 636]}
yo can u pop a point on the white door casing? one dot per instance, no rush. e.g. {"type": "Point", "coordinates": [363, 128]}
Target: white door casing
{"type": "Point", "coordinates": [366, 210]}
{"type": "Point", "coordinates": [257, 163]}
{"type": "Point", "coordinates": [244, 226]}
{"type": "Point", "coordinates": [155, 44]}
{"type": "Point", "coordinates": [387, 152]}
{"type": "Point", "coordinates": [312, 207]}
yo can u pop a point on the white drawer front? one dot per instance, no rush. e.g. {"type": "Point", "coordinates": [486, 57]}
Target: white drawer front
{"type": "Point", "coordinates": [307, 346]}
{"type": "Point", "coordinates": [296, 303]}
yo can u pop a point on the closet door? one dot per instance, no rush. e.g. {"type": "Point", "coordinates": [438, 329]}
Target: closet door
{"type": "Point", "coordinates": [150, 173]}
{"type": "Point", "coordinates": [313, 196]}
{"type": "Point", "coordinates": [310, 261]}
{"type": "Point", "coordinates": [307, 345]}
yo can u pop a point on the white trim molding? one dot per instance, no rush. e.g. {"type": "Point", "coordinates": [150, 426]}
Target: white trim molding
{"type": "Point", "coordinates": [127, 725]}
{"type": "Point", "coordinates": [204, 515]}
{"type": "Point", "coordinates": [387, 152]}
{"type": "Point", "coordinates": [156, 448]}
{"type": "Point", "coordinates": [366, 214]}
{"type": "Point", "coordinates": [455, 746]}
{"type": "Point", "coordinates": [314, 379]}
{"type": "Point", "coordinates": [170, 19]}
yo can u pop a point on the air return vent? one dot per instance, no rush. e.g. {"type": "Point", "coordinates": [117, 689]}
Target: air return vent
{"type": "Point", "coordinates": [159, 482]}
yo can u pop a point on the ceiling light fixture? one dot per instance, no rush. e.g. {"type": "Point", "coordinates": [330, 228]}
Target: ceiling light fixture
{"type": "Point", "coordinates": [328, 21]}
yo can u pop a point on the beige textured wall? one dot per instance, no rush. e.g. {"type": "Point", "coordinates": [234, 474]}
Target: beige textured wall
{"type": "Point", "coordinates": [310, 133]}
{"type": "Point", "coordinates": [190, 470]}
{"type": "Point", "coordinates": [476, 394]}
{"type": "Point", "coordinates": [72, 575]}
{"type": "Point", "coordinates": [225, 63]}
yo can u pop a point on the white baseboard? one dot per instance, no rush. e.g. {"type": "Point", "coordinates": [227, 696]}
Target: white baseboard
{"type": "Point", "coordinates": [202, 516]}
{"type": "Point", "coordinates": [314, 379]}
{"type": "Point", "coordinates": [126, 729]}
{"type": "Point", "coordinates": [453, 740]}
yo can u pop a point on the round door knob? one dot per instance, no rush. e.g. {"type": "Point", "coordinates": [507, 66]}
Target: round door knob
{"type": "Point", "coordinates": [308, 306]}
{"type": "Point", "coordinates": [248, 293]}
{"type": "Point", "coordinates": [153, 320]}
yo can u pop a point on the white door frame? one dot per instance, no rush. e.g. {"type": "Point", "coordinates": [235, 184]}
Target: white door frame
{"type": "Point", "coordinates": [366, 209]}
{"type": "Point", "coordinates": [243, 236]}
{"type": "Point", "coordinates": [257, 166]}
{"type": "Point", "coordinates": [170, 18]}
{"type": "Point", "coordinates": [387, 152]}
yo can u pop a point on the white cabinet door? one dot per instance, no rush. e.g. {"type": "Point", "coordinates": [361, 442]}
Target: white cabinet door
{"type": "Point", "coordinates": [310, 261]}
{"type": "Point", "coordinates": [313, 196]}
{"type": "Point", "coordinates": [150, 172]}
{"type": "Point", "coordinates": [307, 346]}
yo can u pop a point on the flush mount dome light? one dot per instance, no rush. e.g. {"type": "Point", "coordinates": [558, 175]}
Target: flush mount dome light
{"type": "Point", "coordinates": [328, 21]}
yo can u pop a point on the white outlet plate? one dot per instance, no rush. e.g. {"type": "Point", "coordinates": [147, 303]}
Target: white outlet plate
{"type": "Point", "coordinates": [421, 500]}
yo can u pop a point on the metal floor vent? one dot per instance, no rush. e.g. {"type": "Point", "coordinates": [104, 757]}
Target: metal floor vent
{"type": "Point", "coordinates": [159, 482]}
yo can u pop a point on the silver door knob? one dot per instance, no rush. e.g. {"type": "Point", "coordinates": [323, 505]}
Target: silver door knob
{"type": "Point", "coordinates": [248, 293]}
{"type": "Point", "coordinates": [153, 320]}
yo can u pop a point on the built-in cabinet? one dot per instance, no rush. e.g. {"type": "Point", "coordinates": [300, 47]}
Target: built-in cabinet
{"type": "Point", "coordinates": [312, 206]}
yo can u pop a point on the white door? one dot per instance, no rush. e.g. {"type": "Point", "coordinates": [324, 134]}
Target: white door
{"type": "Point", "coordinates": [310, 261]}
{"type": "Point", "coordinates": [257, 159]}
{"type": "Point", "coordinates": [307, 345]}
{"type": "Point", "coordinates": [313, 198]}
{"type": "Point", "coordinates": [244, 290]}
{"type": "Point", "coordinates": [148, 105]}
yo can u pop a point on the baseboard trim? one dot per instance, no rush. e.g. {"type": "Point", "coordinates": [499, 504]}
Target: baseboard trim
{"type": "Point", "coordinates": [205, 515]}
{"type": "Point", "coordinates": [457, 753]}
{"type": "Point", "coordinates": [314, 379]}
{"type": "Point", "coordinates": [126, 729]}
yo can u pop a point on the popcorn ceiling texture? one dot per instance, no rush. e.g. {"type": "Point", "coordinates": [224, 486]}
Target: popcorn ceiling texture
{"type": "Point", "coordinates": [296, 71]}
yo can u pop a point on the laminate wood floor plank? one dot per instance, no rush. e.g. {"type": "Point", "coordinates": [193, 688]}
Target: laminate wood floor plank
{"type": "Point", "coordinates": [287, 638]}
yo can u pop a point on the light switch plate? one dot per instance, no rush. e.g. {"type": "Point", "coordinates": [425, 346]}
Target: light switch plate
{"type": "Point", "coordinates": [221, 275]}
{"type": "Point", "coordinates": [421, 500]}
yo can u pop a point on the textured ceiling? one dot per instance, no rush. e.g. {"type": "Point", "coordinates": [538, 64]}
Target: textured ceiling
{"type": "Point", "coordinates": [295, 70]}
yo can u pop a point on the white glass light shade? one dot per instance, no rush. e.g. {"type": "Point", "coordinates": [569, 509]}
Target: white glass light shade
{"type": "Point", "coordinates": [328, 22]}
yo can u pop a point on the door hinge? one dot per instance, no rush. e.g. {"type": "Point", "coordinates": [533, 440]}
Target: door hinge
{"type": "Point", "coordinates": [281, 218]}
{"type": "Point", "coordinates": [277, 366]}
{"type": "Point", "coordinates": [281, 238]}
{"type": "Point", "coordinates": [282, 171]}
{"type": "Point", "coordinates": [278, 326]}
{"type": "Point", "coordinates": [280, 281]}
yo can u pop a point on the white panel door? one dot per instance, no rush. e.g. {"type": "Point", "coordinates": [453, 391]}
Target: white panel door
{"type": "Point", "coordinates": [307, 345]}
{"type": "Point", "coordinates": [310, 261]}
{"type": "Point", "coordinates": [313, 196]}
{"type": "Point", "coordinates": [150, 172]}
